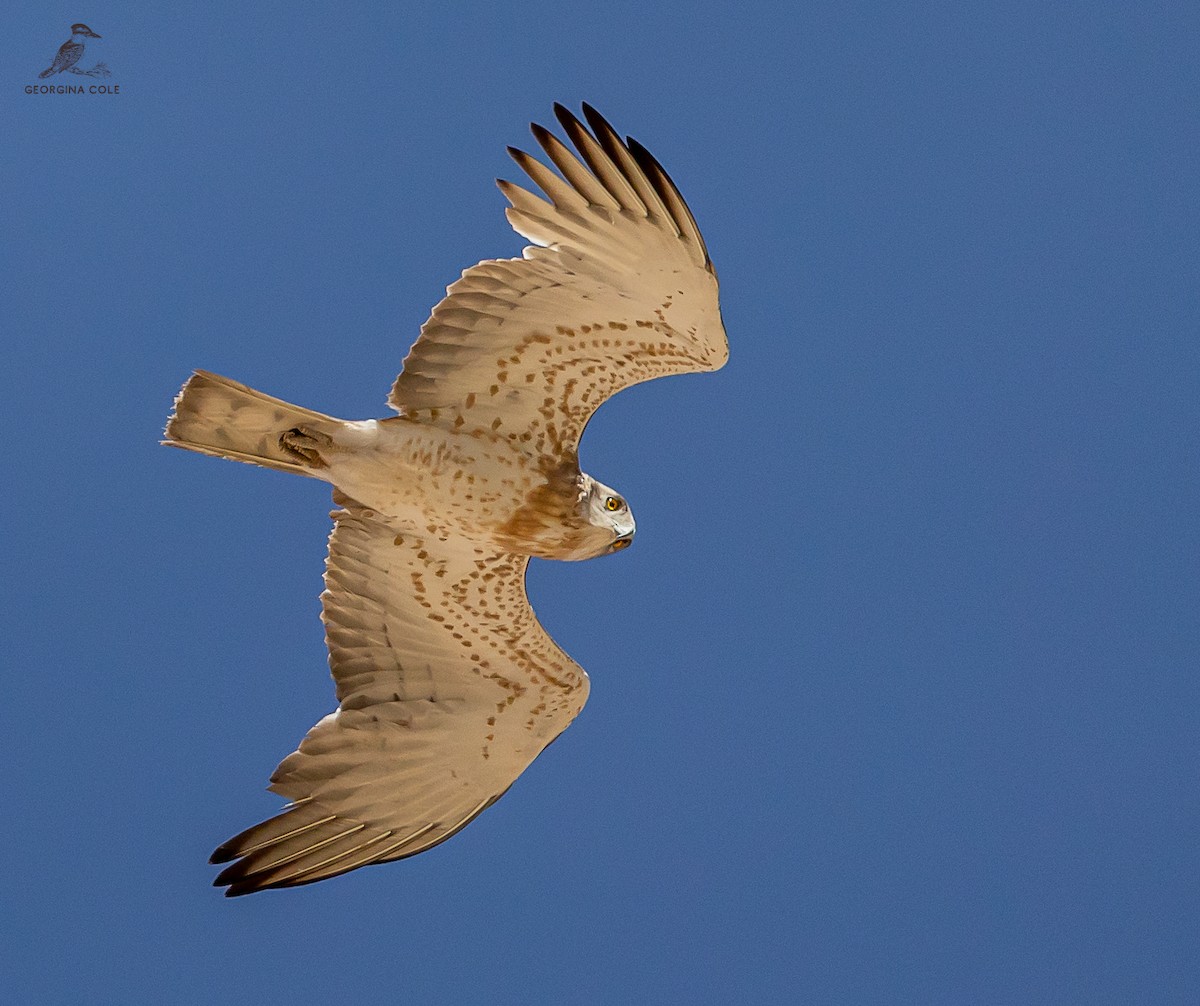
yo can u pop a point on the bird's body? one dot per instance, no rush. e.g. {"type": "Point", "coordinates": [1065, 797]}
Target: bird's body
{"type": "Point", "coordinates": [70, 52]}
{"type": "Point", "coordinates": [473, 483]}
{"type": "Point", "coordinates": [448, 686]}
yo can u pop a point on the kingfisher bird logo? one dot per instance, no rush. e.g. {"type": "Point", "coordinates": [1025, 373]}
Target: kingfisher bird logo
{"type": "Point", "coordinates": [71, 52]}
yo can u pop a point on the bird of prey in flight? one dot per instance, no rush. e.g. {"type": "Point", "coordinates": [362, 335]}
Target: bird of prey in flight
{"type": "Point", "coordinates": [448, 686]}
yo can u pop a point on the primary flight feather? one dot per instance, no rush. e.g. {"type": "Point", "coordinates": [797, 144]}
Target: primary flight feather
{"type": "Point", "coordinates": [447, 684]}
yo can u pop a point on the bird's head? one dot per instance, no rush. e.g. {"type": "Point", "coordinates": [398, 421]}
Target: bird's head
{"type": "Point", "coordinates": [83, 29]}
{"type": "Point", "coordinates": [607, 510]}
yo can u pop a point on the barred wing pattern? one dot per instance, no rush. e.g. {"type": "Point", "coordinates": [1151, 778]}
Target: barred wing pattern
{"type": "Point", "coordinates": [448, 688]}
{"type": "Point", "coordinates": [618, 289]}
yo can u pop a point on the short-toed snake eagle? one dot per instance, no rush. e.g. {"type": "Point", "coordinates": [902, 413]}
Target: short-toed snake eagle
{"type": "Point", "coordinates": [447, 685]}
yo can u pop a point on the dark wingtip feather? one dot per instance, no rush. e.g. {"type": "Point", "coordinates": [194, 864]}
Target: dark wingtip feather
{"type": "Point", "coordinates": [659, 176]}
{"type": "Point", "coordinates": [521, 157]}
{"type": "Point", "coordinates": [232, 874]}
{"type": "Point", "coordinates": [221, 854]}
{"type": "Point", "coordinates": [639, 152]}
{"type": "Point", "coordinates": [650, 166]}
{"type": "Point", "coordinates": [600, 125]}
{"type": "Point", "coordinates": [238, 884]}
{"type": "Point", "coordinates": [648, 162]}
{"type": "Point", "coordinates": [567, 119]}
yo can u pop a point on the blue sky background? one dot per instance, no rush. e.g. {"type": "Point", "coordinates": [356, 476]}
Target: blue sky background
{"type": "Point", "coordinates": [895, 699]}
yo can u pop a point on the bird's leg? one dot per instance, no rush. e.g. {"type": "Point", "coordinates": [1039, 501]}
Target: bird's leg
{"type": "Point", "coordinates": [306, 445]}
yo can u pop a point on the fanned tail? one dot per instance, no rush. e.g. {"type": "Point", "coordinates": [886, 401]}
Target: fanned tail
{"type": "Point", "coordinates": [221, 417]}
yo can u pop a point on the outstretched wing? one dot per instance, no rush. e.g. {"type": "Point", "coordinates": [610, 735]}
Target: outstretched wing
{"type": "Point", "coordinates": [619, 290]}
{"type": "Point", "coordinates": [448, 688]}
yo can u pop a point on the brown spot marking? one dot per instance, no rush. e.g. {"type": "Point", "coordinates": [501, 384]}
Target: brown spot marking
{"type": "Point", "coordinates": [470, 400]}
{"type": "Point", "coordinates": [620, 326]}
{"type": "Point", "coordinates": [549, 505]}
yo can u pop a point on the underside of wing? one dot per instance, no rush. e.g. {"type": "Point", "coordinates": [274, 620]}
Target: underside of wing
{"type": "Point", "coordinates": [617, 289]}
{"type": "Point", "coordinates": [448, 688]}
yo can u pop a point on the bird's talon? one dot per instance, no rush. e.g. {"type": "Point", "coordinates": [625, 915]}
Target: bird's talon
{"type": "Point", "coordinates": [306, 446]}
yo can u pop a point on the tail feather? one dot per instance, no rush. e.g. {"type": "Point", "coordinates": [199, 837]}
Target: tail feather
{"type": "Point", "coordinates": [220, 417]}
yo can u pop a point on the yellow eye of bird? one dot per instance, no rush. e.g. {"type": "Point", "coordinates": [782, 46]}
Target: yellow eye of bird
{"type": "Point", "coordinates": [612, 503]}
